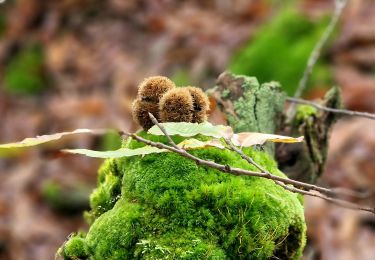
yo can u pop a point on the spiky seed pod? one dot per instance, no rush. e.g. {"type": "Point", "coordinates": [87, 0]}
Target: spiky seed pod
{"type": "Point", "coordinates": [201, 104]}
{"type": "Point", "coordinates": [176, 106]}
{"type": "Point", "coordinates": [153, 88]}
{"type": "Point", "coordinates": [140, 112]}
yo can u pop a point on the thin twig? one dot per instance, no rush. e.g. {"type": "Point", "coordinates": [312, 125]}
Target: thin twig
{"type": "Point", "coordinates": [329, 109]}
{"type": "Point", "coordinates": [315, 54]}
{"type": "Point", "coordinates": [298, 187]}
{"type": "Point", "coordinates": [170, 140]}
{"type": "Point", "coordinates": [333, 191]}
{"type": "Point", "coordinates": [283, 182]}
{"type": "Point", "coordinates": [338, 202]}
{"type": "Point", "coordinates": [337, 191]}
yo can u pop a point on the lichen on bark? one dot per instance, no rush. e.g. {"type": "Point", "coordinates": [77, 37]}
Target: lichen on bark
{"type": "Point", "coordinates": [250, 106]}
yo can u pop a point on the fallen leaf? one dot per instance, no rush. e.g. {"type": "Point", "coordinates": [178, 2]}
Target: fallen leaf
{"type": "Point", "coordinates": [195, 144]}
{"type": "Point", "coordinates": [247, 139]}
{"type": "Point", "coordinates": [28, 142]}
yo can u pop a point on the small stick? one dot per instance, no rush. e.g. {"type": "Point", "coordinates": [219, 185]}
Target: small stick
{"type": "Point", "coordinates": [334, 191]}
{"type": "Point", "coordinates": [283, 182]}
{"type": "Point", "coordinates": [329, 109]}
{"type": "Point", "coordinates": [315, 54]}
{"type": "Point", "coordinates": [236, 171]}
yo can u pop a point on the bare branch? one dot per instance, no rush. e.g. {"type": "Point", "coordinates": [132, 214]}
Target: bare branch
{"type": "Point", "coordinates": [332, 110]}
{"type": "Point", "coordinates": [335, 191]}
{"type": "Point", "coordinates": [297, 187]}
{"type": "Point", "coordinates": [338, 202]}
{"type": "Point", "coordinates": [283, 182]}
{"type": "Point", "coordinates": [315, 54]}
{"type": "Point", "coordinates": [155, 121]}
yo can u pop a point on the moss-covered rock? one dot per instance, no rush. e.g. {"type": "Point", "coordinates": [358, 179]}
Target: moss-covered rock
{"type": "Point", "coordinates": [167, 207]}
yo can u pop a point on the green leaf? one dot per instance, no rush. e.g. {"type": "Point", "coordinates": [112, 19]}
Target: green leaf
{"type": "Point", "coordinates": [122, 152]}
{"type": "Point", "coordinates": [193, 129]}
{"type": "Point", "coordinates": [28, 142]}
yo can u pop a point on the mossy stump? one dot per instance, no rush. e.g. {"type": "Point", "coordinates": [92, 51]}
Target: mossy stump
{"type": "Point", "coordinates": [164, 206]}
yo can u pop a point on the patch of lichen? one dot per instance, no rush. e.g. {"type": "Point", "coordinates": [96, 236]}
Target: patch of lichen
{"type": "Point", "coordinates": [259, 107]}
{"type": "Point", "coordinates": [171, 208]}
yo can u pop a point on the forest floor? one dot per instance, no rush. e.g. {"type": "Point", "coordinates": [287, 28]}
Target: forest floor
{"type": "Point", "coordinates": [94, 55]}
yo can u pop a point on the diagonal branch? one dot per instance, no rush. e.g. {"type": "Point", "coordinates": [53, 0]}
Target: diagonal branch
{"type": "Point", "coordinates": [283, 182]}
{"type": "Point", "coordinates": [335, 191]}
{"type": "Point", "coordinates": [297, 187]}
{"type": "Point", "coordinates": [316, 52]}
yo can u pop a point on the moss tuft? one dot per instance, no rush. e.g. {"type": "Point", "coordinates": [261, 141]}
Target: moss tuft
{"type": "Point", "coordinates": [304, 112]}
{"type": "Point", "coordinates": [104, 197]}
{"type": "Point", "coordinates": [75, 248]}
{"type": "Point", "coordinates": [114, 234]}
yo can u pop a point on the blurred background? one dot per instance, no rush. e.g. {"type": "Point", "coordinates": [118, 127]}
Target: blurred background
{"type": "Point", "coordinates": [67, 64]}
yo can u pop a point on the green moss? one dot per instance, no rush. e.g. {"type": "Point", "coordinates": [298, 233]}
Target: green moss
{"type": "Point", "coordinates": [304, 112]}
{"type": "Point", "coordinates": [170, 208]}
{"type": "Point", "coordinates": [104, 197]}
{"type": "Point", "coordinates": [66, 199]}
{"type": "Point", "coordinates": [280, 49]}
{"type": "Point", "coordinates": [178, 244]}
{"type": "Point", "coordinates": [75, 248]}
{"type": "Point", "coordinates": [115, 233]}
{"type": "Point", "coordinates": [24, 73]}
